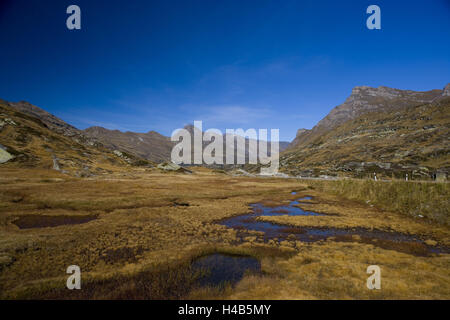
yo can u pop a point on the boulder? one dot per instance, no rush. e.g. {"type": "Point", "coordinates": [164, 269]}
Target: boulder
{"type": "Point", "coordinates": [170, 166]}
{"type": "Point", "coordinates": [5, 156]}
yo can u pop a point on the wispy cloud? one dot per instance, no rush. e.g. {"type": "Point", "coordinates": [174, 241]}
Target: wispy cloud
{"type": "Point", "coordinates": [232, 114]}
{"type": "Point", "coordinates": [235, 95]}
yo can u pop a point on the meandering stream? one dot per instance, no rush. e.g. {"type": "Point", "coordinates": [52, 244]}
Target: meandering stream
{"type": "Point", "coordinates": [221, 268]}
{"type": "Point", "coordinates": [273, 231]}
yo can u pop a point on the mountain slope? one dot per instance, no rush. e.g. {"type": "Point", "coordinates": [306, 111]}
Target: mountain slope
{"type": "Point", "coordinates": [363, 100]}
{"type": "Point", "coordinates": [34, 144]}
{"type": "Point", "coordinates": [52, 122]}
{"type": "Point", "coordinates": [151, 145]}
{"type": "Point", "coordinates": [404, 132]}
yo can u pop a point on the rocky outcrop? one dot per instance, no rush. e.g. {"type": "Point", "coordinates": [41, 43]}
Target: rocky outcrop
{"type": "Point", "coordinates": [170, 166]}
{"type": "Point", "coordinates": [446, 92]}
{"type": "Point", "coordinates": [5, 156]}
{"type": "Point", "coordinates": [299, 137]}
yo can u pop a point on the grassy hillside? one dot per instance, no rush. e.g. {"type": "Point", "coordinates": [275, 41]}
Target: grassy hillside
{"type": "Point", "coordinates": [34, 145]}
{"type": "Point", "coordinates": [412, 140]}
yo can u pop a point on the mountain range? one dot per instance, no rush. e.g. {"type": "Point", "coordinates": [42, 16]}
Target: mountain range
{"type": "Point", "coordinates": [376, 130]}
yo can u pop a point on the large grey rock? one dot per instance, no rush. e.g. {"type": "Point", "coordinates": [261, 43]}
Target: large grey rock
{"type": "Point", "coordinates": [5, 156]}
{"type": "Point", "coordinates": [170, 166]}
{"type": "Point", "coordinates": [56, 163]}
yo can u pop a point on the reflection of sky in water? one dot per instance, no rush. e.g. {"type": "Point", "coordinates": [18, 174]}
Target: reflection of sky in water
{"type": "Point", "coordinates": [308, 234]}
{"type": "Point", "coordinates": [219, 268]}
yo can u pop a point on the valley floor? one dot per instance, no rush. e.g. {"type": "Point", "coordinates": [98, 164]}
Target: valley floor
{"type": "Point", "coordinates": [135, 234]}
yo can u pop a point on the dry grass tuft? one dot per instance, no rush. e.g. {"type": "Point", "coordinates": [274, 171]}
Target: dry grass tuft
{"type": "Point", "coordinates": [430, 200]}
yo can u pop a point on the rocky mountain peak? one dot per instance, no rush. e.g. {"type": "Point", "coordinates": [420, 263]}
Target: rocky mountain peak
{"type": "Point", "coordinates": [95, 129]}
{"type": "Point", "coordinates": [365, 99]}
{"type": "Point", "coordinates": [366, 93]}
{"type": "Point", "coordinates": [301, 131]}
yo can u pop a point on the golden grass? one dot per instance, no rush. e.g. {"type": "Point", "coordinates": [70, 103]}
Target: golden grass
{"type": "Point", "coordinates": [151, 225]}
{"type": "Point", "coordinates": [334, 270]}
{"type": "Point", "coordinates": [430, 200]}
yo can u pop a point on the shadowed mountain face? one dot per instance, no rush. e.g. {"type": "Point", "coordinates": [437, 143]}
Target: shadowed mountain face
{"type": "Point", "coordinates": [151, 145]}
{"type": "Point", "coordinates": [382, 130]}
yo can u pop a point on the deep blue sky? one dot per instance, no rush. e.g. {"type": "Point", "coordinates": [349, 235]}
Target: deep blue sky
{"type": "Point", "coordinates": [158, 65]}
